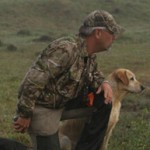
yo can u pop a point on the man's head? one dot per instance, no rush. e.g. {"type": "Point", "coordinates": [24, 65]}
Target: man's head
{"type": "Point", "coordinates": [100, 19]}
{"type": "Point", "coordinates": [100, 30]}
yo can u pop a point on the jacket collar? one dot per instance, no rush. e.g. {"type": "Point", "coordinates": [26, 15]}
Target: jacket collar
{"type": "Point", "coordinates": [82, 46]}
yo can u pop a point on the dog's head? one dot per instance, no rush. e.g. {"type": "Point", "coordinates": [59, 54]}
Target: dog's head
{"type": "Point", "coordinates": [126, 80]}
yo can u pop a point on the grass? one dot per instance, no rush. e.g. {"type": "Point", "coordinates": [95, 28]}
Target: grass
{"type": "Point", "coordinates": [55, 18]}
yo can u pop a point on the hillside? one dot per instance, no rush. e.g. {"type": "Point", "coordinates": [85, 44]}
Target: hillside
{"type": "Point", "coordinates": [59, 17]}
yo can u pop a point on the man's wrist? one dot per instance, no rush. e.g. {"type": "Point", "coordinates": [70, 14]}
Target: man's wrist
{"type": "Point", "coordinates": [106, 81]}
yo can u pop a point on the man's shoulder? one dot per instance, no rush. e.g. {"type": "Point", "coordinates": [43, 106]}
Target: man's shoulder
{"type": "Point", "coordinates": [62, 45]}
{"type": "Point", "coordinates": [64, 42]}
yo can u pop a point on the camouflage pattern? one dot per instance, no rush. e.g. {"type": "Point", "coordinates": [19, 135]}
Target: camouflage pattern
{"type": "Point", "coordinates": [58, 75]}
{"type": "Point", "coordinates": [101, 18]}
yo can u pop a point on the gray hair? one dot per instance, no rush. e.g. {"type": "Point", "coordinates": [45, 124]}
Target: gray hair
{"type": "Point", "coordinates": [87, 31]}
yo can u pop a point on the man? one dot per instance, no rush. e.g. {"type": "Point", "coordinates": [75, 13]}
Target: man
{"type": "Point", "coordinates": [66, 72]}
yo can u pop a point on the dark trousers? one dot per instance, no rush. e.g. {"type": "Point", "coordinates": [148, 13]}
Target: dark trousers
{"type": "Point", "coordinates": [93, 133]}
{"type": "Point", "coordinates": [50, 142]}
{"type": "Point", "coordinates": [94, 130]}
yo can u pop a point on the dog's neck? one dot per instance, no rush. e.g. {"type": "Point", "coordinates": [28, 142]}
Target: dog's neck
{"type": "Point", "coordinates": [118, 93]}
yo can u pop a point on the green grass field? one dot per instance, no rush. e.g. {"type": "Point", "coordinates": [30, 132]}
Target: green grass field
{"type": "Point", "coordinates": [27, 26]}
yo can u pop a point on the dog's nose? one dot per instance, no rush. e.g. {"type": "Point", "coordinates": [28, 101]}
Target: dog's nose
{"type": "Point", "coordinates": [142, 87]}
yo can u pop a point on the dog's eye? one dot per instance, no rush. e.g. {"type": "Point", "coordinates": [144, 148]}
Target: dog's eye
{"type": "Point", "coordinates": [132, 78]}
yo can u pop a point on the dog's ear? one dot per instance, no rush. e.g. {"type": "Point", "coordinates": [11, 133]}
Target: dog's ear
{"type": "Point", "coordinates": [122, 76]}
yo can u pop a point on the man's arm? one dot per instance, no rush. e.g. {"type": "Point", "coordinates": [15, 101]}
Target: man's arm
{"type": "Point", "coordinates": [48, 66]}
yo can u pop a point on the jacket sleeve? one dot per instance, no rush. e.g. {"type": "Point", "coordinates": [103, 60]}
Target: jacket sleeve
{"type": "Point", "coordinates": [30, 89]}
{"type": "Point", "coordinates": [50, 64]}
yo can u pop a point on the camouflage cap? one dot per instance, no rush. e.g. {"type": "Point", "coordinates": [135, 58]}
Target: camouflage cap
{"type": "Point", "coordinates": [101, 18]}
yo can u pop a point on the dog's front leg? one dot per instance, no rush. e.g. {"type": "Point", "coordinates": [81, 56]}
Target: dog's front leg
{"type": "Point", "coordinates": [114, 117]}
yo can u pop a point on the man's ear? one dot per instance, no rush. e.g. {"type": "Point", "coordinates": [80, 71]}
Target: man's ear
{"type": "Point", "coordinates": [122, 76]}
{"type": "Point", "coordinates": [97, 33]}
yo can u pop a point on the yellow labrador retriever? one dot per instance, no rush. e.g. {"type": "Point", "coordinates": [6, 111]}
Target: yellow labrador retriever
{"type": "Point", "coordinates": [122, 81]}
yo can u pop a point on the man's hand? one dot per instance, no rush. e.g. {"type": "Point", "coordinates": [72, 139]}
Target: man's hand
{"type": "Point", "coordinates": [108, 93]}
{"type": "Point", "coordinates": [22, 124]}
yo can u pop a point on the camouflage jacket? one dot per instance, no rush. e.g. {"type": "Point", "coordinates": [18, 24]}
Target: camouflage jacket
{"type": "Point", "coordinates": [58, 75]}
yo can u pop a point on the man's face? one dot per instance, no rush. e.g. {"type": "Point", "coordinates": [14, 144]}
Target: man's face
{"type": "Point", "coordinates": [104, 41]}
